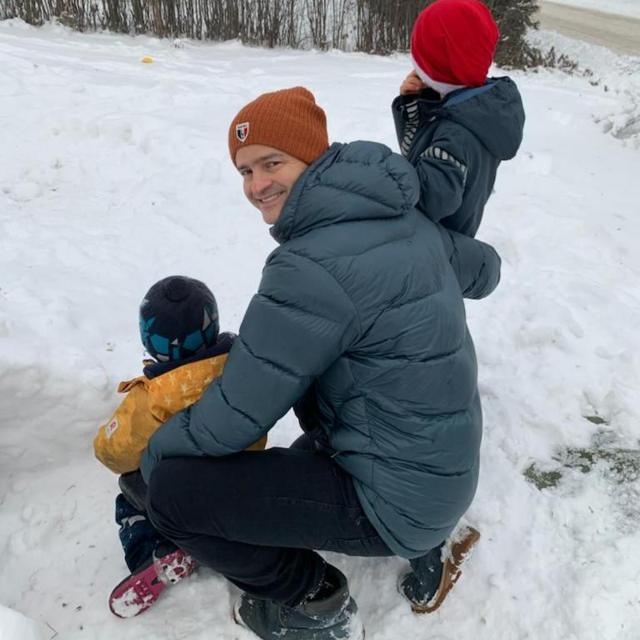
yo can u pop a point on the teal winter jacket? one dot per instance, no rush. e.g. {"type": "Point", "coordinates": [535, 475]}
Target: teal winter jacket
{"type": "Point", "coordinates": [361, 307]}
{"type": "Point", "coordinates": [457, 144]}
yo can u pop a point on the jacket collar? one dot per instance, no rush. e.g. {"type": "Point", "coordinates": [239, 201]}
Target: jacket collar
{"type": "Point", "coordinates": [223, 345]}
{"type": "Point", "coordinates": [356, 181]}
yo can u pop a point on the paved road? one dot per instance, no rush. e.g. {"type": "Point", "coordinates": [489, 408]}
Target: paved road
{"type": "Point", "coordinates": [619, 33]}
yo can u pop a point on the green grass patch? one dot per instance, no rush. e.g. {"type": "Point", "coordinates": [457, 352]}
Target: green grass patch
{"type": "Point", "coordinates": [618, 464]}
{"type": "Point", "coordinates": [542, 479]}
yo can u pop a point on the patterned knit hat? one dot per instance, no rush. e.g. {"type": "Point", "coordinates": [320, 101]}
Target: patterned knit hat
{"type": "Point", "coordinates": [453, 43]}
{"type": "Point", "coordinates": [288, 120]}
{"type": "Point", "coordinates": [178, 318]}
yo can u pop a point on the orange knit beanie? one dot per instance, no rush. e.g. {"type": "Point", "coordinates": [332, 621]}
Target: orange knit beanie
{"type": "Point", "coordinates": [288, 120]}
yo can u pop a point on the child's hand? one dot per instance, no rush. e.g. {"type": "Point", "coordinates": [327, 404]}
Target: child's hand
{"type": "Point", "coordinates": [412, 84]}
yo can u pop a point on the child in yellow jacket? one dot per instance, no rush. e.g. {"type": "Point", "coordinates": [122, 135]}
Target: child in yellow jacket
{"type": "Point", "coordinates": [179, 329]}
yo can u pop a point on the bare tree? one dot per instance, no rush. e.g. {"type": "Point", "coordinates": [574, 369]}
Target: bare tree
{"type": "Point", "coordinates": [373, 26]}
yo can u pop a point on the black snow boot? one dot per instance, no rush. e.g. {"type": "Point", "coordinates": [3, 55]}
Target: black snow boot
{"type": "Point", "coordinates": [328, 614]}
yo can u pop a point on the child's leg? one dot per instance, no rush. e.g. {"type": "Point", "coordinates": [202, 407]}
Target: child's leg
{"type": "Point", "coordinates": [134, 489]}
{"type": "Point", "coordinates": [154, 562]}
{"type": "Point", "coordinates": [138, 537]}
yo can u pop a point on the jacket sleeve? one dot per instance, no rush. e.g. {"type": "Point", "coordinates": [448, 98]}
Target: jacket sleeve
{"type": "Point", "coordinates": [475, 263]}
{"type": "Point", "coordinates": [295, 327]}
{"type": "Point", "coordinates": [405, 127]}
{"type": "Point", "coordinates": [120, 442]}
{"type": "Point", "coordinates": [442, 171]}
{"type": "Point", "coordinates": [442, 167]}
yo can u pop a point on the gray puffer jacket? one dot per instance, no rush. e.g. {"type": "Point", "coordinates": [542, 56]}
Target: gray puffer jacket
{"type": "Point", "coordinates": [360, 305]}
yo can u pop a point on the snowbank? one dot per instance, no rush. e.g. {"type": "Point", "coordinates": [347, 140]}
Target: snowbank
{"type": "Point", "coordinates": [14, 625]}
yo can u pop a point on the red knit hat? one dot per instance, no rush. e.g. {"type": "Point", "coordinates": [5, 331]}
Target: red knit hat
{"type": "Point", "coordinates": [453, 43]}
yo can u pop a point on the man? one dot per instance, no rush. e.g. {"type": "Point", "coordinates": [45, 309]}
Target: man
{"type": "Point", "coordinates": [359, 323]}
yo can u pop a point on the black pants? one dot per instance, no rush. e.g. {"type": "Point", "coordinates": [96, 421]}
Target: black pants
{"type": "Point", "coordinates": [257, 516]}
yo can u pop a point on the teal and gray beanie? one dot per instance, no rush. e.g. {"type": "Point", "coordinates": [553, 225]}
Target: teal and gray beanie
{"type": "Point", "coordinates": [178, 318]}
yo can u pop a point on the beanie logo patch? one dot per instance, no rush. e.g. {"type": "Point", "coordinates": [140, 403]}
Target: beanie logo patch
{"type": "Point", "coordinates": [242, 131]}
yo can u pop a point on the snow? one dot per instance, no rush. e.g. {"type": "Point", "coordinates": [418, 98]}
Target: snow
{"type": "Point", "coordinates": [115, 173]}
{"type": "Point", "coordinates": [629, 8]}
{"type": "Point", "coordinates": [15, 625]}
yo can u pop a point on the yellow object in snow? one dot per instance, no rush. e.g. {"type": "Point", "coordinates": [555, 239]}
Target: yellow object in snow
{"type": "Point", "coordinates": [147, 59]}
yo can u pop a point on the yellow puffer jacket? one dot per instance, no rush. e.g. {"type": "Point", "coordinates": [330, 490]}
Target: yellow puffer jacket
{"type": "Point", "coordinates": [148, 403]}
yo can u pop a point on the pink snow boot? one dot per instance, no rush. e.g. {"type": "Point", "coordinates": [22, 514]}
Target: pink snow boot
{"type": "Point", "coordinates": [136, 593]}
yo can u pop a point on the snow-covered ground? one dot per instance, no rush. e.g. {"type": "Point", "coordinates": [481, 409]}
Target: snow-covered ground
{"type": "Point", "coordinates": [621, 7]}
{"type": "Point", "coordinates": [115, 173]}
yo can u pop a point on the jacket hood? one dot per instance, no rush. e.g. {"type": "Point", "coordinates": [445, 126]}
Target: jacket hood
{"type": "Point", "coordinates": [493, 113]}
{"type": "Point", "coordinates": [355, 181]}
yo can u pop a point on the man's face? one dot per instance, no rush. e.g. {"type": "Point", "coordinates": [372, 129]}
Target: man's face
{"type": "Point", "coordinates": [268, 176]}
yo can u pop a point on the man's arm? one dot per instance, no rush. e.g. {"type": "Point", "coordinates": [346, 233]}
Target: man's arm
{"type": "Point", "coordinates": [296, 326]}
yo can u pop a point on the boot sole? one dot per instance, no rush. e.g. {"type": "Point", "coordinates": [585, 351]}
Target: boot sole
{"type": "Point", "coordinates": [136, 593]}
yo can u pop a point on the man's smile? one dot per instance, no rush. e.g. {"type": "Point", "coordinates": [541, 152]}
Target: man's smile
{"type": "Point", "coordinates": [269, 199]}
